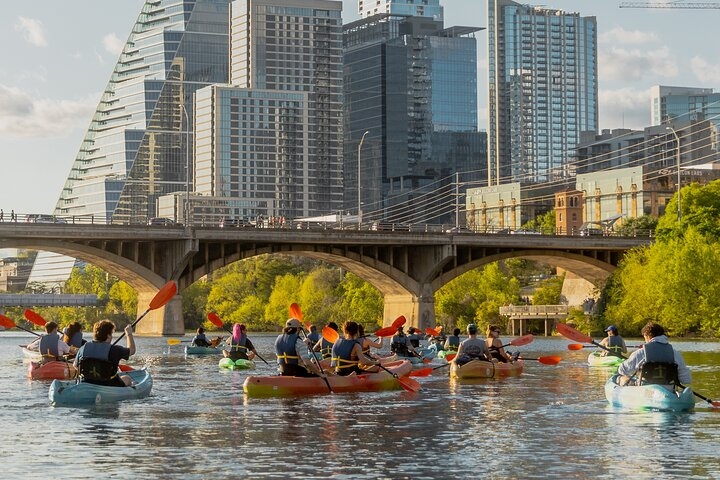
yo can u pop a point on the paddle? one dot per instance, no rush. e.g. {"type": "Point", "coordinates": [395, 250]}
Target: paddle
{"type": "Point", "coordinates": [399, 322]}
{"type": "Point", "coordinates": [407, 383]}
{"type": "Point", "coordinates": [330, 335]}
{"type": "Point", "coordinates": [424, 372]}
{"type": "Point", "coordinates": [296, 313]}
{"type": "Point", "coordinates": [7, 323]}
{"type": "Point", "coordinates": [547, 360]}
{"type": "Point", "coordinates": [386, 332]}
{"type": "Point", "coordinates": [572, 334]}
{"type": "Point", "coordinates": [577, 346]}
{"type": "Point", "coordinates": [175, 341]}
{"type": "Point", "coordinates": [34, 317]}
{"type": "Point", "coordinates": [161, 298]}
{"type": "Point", "coordinates": [217, 321]}
{"type": "Point", "coordinates": [519, 342]}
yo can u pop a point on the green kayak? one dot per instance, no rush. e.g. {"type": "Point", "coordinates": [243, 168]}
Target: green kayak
{"type": "Point", "coordinates": [596, 359]}
{"type": "Point", "coordinates": [239, 364]}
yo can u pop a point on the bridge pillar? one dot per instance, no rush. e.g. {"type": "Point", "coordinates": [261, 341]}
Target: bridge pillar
{"type": "Point", "coordinates": [418, 309]}
{"type": "Point", "coordinates": [167, 320]}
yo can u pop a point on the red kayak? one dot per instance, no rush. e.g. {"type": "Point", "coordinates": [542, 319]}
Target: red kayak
{"type": "Point", "coordinates": [54, 370]}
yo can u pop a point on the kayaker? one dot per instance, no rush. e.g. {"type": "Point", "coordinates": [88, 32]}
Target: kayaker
{"type": "Point", "coordinates": [657, 349]}
{"type": "Point", "coordinates": [98, 360]}
{"type": "Point", "coordinates": [367, 343]}
{"type": "Point", "coordinates": [200, 340]}
{"type": "Point", "coordinates": [73, 336]}
{"type": "Point", "coordinates": [495, 344]}
{"type": "Point", "coordinates": [50, 345]}
{"type": "Point", "coordinates": [288, 346]}
{"type": "Point", "coordinates": [472, 348]}
{"type": "Point", "coordinates": [240, 345]}
{"type": "Point", "coordinates": [453, 341]}
{"type": "Point", "coordinates": [414, 337]}
{"type": "Point", "coordinates": [400, 345]}
{"type": "Point", "coordinates": [323, 346]}
{"type": "Point", "coordinates": [347, 354]}
{"type": "Point", "coordinates": [613, 341]}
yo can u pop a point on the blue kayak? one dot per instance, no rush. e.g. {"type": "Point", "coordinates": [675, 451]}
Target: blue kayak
{"type": "Point", "coordinates": [648, 397]}
{"type": "Point", "coordinates": [195, 350]}
{"type": "Point", "coordinates": [73, 392]}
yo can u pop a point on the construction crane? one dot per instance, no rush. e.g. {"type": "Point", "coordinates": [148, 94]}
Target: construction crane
{"type": "Point", "coordinates": [668, 5]}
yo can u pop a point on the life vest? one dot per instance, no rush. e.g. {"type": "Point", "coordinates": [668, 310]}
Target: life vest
{"type": "Point", "coordinates": [398, 345]}
{"type": "Point", "coordinates": [76, 340]}
{"type": "Point", "coordinates": [200, 340]}
{"type": "Point", "coordinates": [615, 343]}
{"type": "Point", "coordinates": [326, 349]}
{"type": "Point", "coordinates": [285, 349]}
{"type": "Point", "coordinates": [414, 340]}
{"type": "Point", "coordinates": [659, 367]}
{"type": "Point", "coordinates": [452, 343]}
{"type": "Point", "coordinates": [94, 362]}
{"type": "Point", "coordinates": [342, 354]}
{"type": "Point", "coordinates": [314, 337]}
{"type": "Point", "coordinates": [48, 346]}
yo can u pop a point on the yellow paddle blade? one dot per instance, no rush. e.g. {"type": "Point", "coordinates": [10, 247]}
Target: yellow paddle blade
{"type": "Point", "coordinates": [174, 341]}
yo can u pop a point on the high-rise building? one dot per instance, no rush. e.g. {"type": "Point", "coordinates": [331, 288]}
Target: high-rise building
{"type": "Point", "coordinates": [135, 149]}
{"type": "Point", "coordinates": [272, 139]}
{"type": "Point", "coordinates": [415, 8]}
{"type": "Point", "coordinates": [684, 104]}
{"type": "Point", "coordinates": [543, 90]}
{"type": "Point", "coordinates": [410, 116]}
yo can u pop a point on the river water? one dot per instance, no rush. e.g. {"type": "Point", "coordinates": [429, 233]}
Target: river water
{"type": "Point", "coordinates": [551, 422]}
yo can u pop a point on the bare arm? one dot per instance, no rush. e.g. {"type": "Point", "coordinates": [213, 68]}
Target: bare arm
{"type": "Point", "coordinates": [129, 339]}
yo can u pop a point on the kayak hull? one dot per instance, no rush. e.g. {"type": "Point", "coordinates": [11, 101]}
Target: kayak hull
{"type": "Point", "coordinates": [195, 350]}
{"type": "Point", "coordinates": [483, 369]}
{"type": "Point", "coordinates": [596, 359]}
{"type": "Point", "coordinates": [56, 370]}
{"type": "Point", "coordinates": [239, 364]}
{"type": "Point", "coordinates": [648, 397]}
{"type": "Point", "coordinates": [31, 355]}
{"type": "Point", "coordinates": [72, 392]}
{"type": "Point", "coordinates": [283, 386]}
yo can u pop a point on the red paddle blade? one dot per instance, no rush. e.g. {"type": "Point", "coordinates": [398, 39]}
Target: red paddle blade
{"type": "Point", "coordinates": [575, 346]}
{"type": "Point", "coordinates": [715, 404]}
{"type": "Point", "coordinates": [520, 341]}
{"type": "Point", "coordinates": [386, 332]}
{"type": "Point", "coordinates": [433, 332]}
{"type": "Point", "coordinates": [409, 384]}
{"type": "Point", "coordinates": [550, 360]}
{"type": "Point", "coordinates": [295, 311]}
{"type": "Point", "coordinates": [6, 322]}
{"type": "Point", "coordinates": [569, 332]}
{"type": "Point", "coordinates": [163, 295]}
{"type": "Point", "coordinates": [421, 372]}
{"type": "Point", "coordinates": [34, 317]}
{"type": "Point", "coordinates": [330, 335]}
{"type": "Point", "coordinates": [125, 368]}
{"type": "Point", "coordinates": [214, 319]}
{"type": "Point", "coordinates": [450, 357]}
{"type": "Point", "coordinates": [399, 321]}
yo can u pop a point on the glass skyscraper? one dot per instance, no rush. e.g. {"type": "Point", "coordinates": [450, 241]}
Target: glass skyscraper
{"type": "Point", "coordinates": [415, 8]}
{"type": "Point", "coordinates": [543, 90]}
{"type": "Point", "coordinates": [411, 84]}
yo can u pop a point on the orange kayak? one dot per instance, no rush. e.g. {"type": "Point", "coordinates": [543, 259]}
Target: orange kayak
{"type": "Point", "coordinates": [483, 369]}
{"type": "Point", "coordinates": [281, 386]}
{"type": "Point", "coordinates": [55, 370]}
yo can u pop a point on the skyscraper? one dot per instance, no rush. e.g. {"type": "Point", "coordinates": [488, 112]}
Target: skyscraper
{"type": "Point", "coordinates": [543, 85]}
{"type": "Point", "coordinates": [411, 84]}
{"type": "Point", "coordinates": [415, 8]}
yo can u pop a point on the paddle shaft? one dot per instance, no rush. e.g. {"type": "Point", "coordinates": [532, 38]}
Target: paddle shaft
{"type": "Point", "coordinates": [711, 402]}
{"type": "Point", "coordinates": [317, 362]}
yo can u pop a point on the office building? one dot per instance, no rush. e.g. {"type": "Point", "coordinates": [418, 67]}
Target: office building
{"type": "Point", "coordinates": [414, 8]}
{"type": "Point", "coordinates": [543, 84]}
{"type": "Point", "coordinates": [411, 84]}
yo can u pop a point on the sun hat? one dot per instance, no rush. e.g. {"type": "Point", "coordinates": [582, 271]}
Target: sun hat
{"type": "Point", "coordinates": [293, 322]}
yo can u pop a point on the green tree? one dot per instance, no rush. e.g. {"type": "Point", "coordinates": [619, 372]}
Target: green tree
{"type": "Point", "coordinates": [640, 226]}
{"type": "Point", "coordinates": [544, 223]}
{"type": "Point", "coordinates": [549, 292]}
{"type": "Point", "coordinates": [360, 301]}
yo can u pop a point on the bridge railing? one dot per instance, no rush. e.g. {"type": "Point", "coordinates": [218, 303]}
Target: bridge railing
{"type": "Point", "coordinates": [527, 311]}
{"type": "Point", "coordinates": [47, 300]}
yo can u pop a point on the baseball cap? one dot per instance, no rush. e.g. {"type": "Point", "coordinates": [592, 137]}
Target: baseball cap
{"type": "Point", "coordinates": [611, 327]}
{"type": "Point", "coordinates": [293, 322]}
{"type": "Point", "coordinates": [472, 328]}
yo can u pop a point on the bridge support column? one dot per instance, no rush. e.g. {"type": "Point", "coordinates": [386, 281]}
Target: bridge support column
{"type": "Point", "coordinates": [418, 309]}
{"type": "Point", "coordinates": [167, 320]}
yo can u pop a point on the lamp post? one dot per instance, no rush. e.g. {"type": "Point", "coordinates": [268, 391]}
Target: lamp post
{"type": "Point", "coordinates": [362, 139]}
{"type": "Point", "coordinates": [186, 208]}
{"type": "Point", "coordinates": [677, 139]}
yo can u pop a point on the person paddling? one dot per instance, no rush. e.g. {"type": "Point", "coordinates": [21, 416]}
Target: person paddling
{"type": "Point", "coordinates": [613, 341]}
{"type": "Point", "coordinates": [98, 361]}
{"type": "Point", "coordinates": [472, 348]}
{"type": "Point", "coordinates": [239, 344]}
{"type": "Point", "coordinates": [289, 348]}
{"type": "Point", "coordinates": [51, 346]}
{"type": "Point", "coordinates": [496, 346]}
{"type": "Point", "coordinates": [347, 354]}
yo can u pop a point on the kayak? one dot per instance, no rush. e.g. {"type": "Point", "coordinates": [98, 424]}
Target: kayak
{"type": "Point", "coordinates": [53, 370]}
{"type": "Point", "coordinates": [483, 369]}
{"type": "Point", "coordinates": [73, 392]}
{"type": "Point", "coordinates": [596, 359]}
{"type": "Point", "coordinates": [195, 350]}
{"type": "Point", "coordinates": [648, 397]}
{"type": "Point", "coordinates": [32, 355]}
{"type": "Point", "coordinates": [282, 386]}
{"type": "Point", "coordinates": [239, 364]}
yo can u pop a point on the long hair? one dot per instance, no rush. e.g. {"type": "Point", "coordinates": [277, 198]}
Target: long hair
{"type": "Point", "coordinates": [238, 332]}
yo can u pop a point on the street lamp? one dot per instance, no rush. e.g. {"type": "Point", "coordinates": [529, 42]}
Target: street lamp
{"type": "Point", "coordinates": [677, 139]}
{"type": "Point", "coordinates": [186, 208]}
{"type": "Point", "coordinates": [358, 179]}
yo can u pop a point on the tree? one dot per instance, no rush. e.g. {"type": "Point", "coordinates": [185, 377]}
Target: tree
{"type": "Point", "coordinates": [640, 226]}
{"type": "Point", "coordinates": [549, 292]}
{"type": "Point", "coordinates": [544, 223]}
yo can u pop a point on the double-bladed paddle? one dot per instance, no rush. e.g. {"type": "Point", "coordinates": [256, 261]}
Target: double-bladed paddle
{"type": "Point", "coordinates": [569, 332]}
{"type": "Point", "coordinates": [161, 298]}
{"type": "Point", "coordinates": [217, 321]}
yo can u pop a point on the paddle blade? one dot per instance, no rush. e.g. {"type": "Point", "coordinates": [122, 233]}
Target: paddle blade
{"type": "Point", "coordinates": [421, 372]}
{"type": "Point", "coordinates": [409, 384]}
{"type": "Point", "coordinates": [386, 332]}
{"type": "Point", "coordinates": [550, 360]}
{"type": "Point", "coordinates": [450, 357]}
{"type": "Point", "coordinates": [295, 311]}
{"type": "Point", "coordinates": [399, 322]}
{"type": "Point", "coordinates": [524, 340]}
{"type": "Point", "coordinates": [6, 322]}
{"type": "Point", "coordinates": [174, 341]}
{"type": "Point", "coordinates": [34, 317]}
{"type": "Point", "coordinates": [215, 319]}
{"type": "Point", "coordinates": [569, 332]}
{"type": "Point", "coordinates": [575, 346]}
{"type": "Point", "coordinates": [433, 332]}
{"type": "Point", "coordinates": [163, 295]}
{"type": "Point", "coordinates": [125, 368]}
{"type": "Point", "coordinates": [330, 335]}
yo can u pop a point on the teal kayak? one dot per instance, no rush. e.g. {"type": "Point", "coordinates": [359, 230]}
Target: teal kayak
{"type": "Point", "coordinates": [74, 392]}
{"type": "Point", "coordinates": [195, 350]}
{"type": "Point", "coordinates": [648, 397]}
{"type": "Point", "coordinates": [239, 364]}
{"type": "Point", "coordinates": [596, 359]}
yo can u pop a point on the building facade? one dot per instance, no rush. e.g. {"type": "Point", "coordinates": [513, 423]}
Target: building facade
{"type": "Point", "coordinates": [410, 117]}
{"type": "Point", "coordinates": [543, 90]}
{"type": "Point", "coordinates": [414, 8]}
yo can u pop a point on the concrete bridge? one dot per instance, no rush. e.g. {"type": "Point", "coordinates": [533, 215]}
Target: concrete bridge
{"type": "Point", "coordinates": [407, 267]}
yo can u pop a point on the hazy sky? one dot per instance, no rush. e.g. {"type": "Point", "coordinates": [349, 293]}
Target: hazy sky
{"type": "Point", "coordinates": [57, 57]}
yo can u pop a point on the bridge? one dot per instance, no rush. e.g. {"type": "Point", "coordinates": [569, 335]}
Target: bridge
{"type": "Point", "coordinates": [408, 267]}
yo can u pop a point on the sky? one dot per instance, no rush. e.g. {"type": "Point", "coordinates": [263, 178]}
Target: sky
{"type": "Point", "coordinates": [58, 56]}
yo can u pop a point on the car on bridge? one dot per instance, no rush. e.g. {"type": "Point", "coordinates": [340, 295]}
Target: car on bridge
{"type": "Point", "coordinates": [167, 222]}
{"type": "Point", "coordinates": [233, 222]}
{"type": "Point", "coordinates": [43, 218]}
